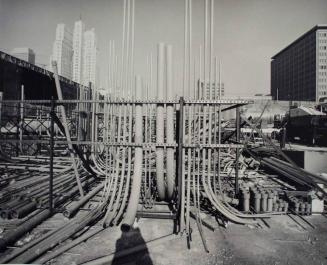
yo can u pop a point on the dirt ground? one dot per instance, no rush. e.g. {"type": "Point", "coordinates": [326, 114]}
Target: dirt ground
{"type": "Point", "coordinates": [282, 240]}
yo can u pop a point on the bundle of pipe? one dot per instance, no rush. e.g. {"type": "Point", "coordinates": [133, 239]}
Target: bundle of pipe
{"type": "Point", "coordinates": [296, 174]}
{"type": "Point", "coordinates": [53, 238]}
{"type": "Point", "coordinates": [31, 193]}
{"type": "Point", "coordinates": [12, 236]}
{"type": "Point", "coordinates": [165, 183]}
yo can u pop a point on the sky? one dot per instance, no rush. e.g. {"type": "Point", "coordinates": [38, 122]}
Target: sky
{"type": "Point", "coordinates": [247, 33]}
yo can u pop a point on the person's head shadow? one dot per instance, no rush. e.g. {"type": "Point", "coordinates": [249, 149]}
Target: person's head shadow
{"type": "Point", "coordinates": [131, 248]}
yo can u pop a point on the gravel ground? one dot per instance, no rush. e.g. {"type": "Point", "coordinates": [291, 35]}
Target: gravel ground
{"type": "Point", "coordinates": [280, 241]}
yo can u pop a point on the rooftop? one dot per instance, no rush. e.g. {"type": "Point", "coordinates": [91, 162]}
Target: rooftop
{"type": "Point", "coordinates": [315, 28]}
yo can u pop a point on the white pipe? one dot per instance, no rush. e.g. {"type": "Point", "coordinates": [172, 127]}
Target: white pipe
{"type": "Point", "coordinates": [137, 174]}
{"type": "Point", "coordinates": [132, 47]}
{"type": "Point", "coordinates": [170, 126]}
{"type": "Point", "coordinates": [123, 52]}
{"type": "Point", "coordinates": [125, 88]}
{"type": "Point", "coordinates": [160, 124]}
{"type": "Point", "coordinates": [185, 47]}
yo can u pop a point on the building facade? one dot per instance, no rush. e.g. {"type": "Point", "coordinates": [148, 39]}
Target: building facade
{"type": "Point", "coordinates": [89, 58]}
{"type": "Point", "coordinates": [79, 29]}
{"type": "Point", "coordinates": [299, 72]}
{"type": "Point", "coordinates": [62, 51]}
{"type": "Point", "coordinates": [76, 53]}
{"type": "Point", "coordinates": [210, 92]}
{"type": "Point", "coordinates": [25, 54]}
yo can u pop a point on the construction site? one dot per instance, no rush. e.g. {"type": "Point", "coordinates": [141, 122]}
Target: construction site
{"type": "Point", "coordinates": [143, 175]}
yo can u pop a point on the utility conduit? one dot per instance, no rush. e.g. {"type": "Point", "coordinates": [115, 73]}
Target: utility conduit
{"type": "Point", "coordinates": [137, 176]}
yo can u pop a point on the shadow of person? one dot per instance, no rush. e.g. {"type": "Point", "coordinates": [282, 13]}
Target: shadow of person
{"type": "Point", "coordinates": [131, 248]}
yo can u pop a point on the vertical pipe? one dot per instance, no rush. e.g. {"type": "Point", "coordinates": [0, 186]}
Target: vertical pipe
{"type": "Point", "coordinates": [181, 188]}
{"type": "Point", "coordinates": [109, 67]}
{"type": "Point", "coordinates": [123, 50]}
{"type": "Point", "coordinates": [185, 47]}
{"type": "Point", "coordinates": [205, 49]}
{"type": "Point", "coordinates": [210, 95]}
{"type": "Point", "coordinates": [160, 124]}
{"type": "Point", "coordinates": [125, 88]}
{"type": "Point", "coordinates": [170, 125]}
{"type": "Point", "coordinates": [190, 48]}
{"type": "Point", "coordinates": [137, 178]}
{"type": "Point", "coordinates": [132, 44]}
{"type": "Point", "coordinates": [219, 128]}
{"type": "Point", "coordinates": [215, 124]}
{"type": "Point", "coordinates": [237, 149]}
{"type": "Point", "coordinates": [52, 113]}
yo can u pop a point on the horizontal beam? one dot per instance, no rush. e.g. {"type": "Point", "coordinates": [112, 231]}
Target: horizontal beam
{"type": "Point", "coordinates": [122, 101]}
{"type": "Point", "coordinates": [145, 145]}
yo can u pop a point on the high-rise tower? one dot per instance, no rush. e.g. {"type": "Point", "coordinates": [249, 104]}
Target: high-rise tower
{"type": "Point", "coordinates": [89, 57]}
{"type": "Point", "coordinates": [62, 51]}
{"type": "Point", "coordinates": [79, 28]}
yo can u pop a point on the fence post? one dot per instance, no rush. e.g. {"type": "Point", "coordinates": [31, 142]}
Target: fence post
{"type": "Point", "coordinates": [52, 113]}
{"type": "Point", "coordinates": [180, 203]}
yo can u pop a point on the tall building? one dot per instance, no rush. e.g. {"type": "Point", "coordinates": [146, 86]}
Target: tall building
{"type": "Point", "coordinates": [214, 91]}
{"type": "Point", "coordinates": [79, 28]}
{"type": "Point", "coordinates": [62, 51]}
{"type": "Point", "coordinates": [299, 71]}
{"type": "Point", "coordinates": [25, 54]}
{"type": "Point", "coordinates": [89, 57]}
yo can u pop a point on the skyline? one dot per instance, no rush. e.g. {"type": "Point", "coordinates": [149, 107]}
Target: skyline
{"type": "Point", "coordinates": [247, 33]}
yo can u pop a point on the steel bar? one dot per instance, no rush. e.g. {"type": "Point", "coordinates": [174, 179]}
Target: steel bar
{"type": "Point", "coordinates": [237, 151]}
{"type": "Point", "coordinates": [62, 249]}
{"type": "Point", "coordinates": [51, 156]}
{"type": "Point", "coordinates": [67, 133]}
{"type": "Point", "coordinates": [74, 207]}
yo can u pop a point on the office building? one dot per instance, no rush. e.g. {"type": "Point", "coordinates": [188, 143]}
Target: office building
{"type": "Point", "coordinates": [79, 29]}
{"type": "Point", "coordinates": [62, 51]}
{"type": "Point", "coordinates": [25, 54]}
{"type": "Point", "coordinates": [299, 71]}
{"type": "Point", "coordinates": [214, 91]}
{"type": "Point", "coordinates": [89, 58]}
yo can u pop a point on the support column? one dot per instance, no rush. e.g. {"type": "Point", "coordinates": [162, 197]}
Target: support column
{"type": "Point", "coordinates": [237, 149]}
{"type": "Point", "coordinates": [52, 113]}
{"type": "Point", "coordinates": [180, 173]}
